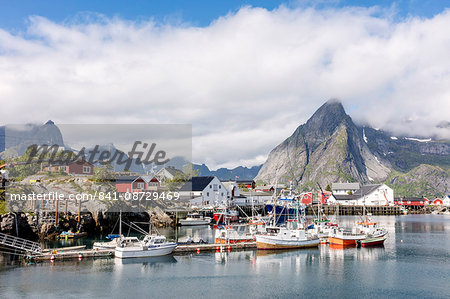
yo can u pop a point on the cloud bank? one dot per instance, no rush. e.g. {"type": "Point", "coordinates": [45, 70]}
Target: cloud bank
{"type": "Point", "coordinates": [245, 82]}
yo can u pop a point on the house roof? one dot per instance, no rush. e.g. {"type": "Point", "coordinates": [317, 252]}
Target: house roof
{"type": "Point", "coordinates": [126, 178]}
{"type": "Point", "coordinates": [345, 186]}
{"type": "Point", "coordinates": [409, 199]}
{"type": "Point", "coordinates": [170, 169]}
{"type": "Point", "coordinates": [363, 191]}
{"type": "Point", "coordinates": [66, 163]}
{"type": "Point", "coordinates": [147, 178]}
{"type": "Point", "coordinates": [197, 183]}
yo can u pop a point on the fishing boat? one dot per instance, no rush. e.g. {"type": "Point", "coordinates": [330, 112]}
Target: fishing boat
{"type": "Point", "coordinates": [109, 245]}
{"type": "Point", "coordinates": [225, 216]}
{"type": "Point", "coordinates": [345, 237]}
{"type": "Point", "coordinates": [375, 235]}
{"type": "Point", "coordinates": [284, 238]}
{"type": "Point", "coordinates": [230, 234]}
{"type": "Point", "coordinates": [372, 241]}
{"type": "Point", "coordinates": [152, 245]}
{"type": "Point", "coordinates": [195, 219]}
{"type": "Point", "coordinates": [71, 235]}
{"type": "Point", "coordinates": [294, 235]}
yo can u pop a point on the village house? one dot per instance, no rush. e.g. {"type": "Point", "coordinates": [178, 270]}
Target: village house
{"type": "Point", "coordinates": [167, 173]}
{"type": "Point", "coordinates": [412, 202]}
{"type": "Point", "coordinates": [249, 184]}
{"type": "Point", "coordinates": [80, 167]}
{"type": "Point", "coordinates": [345, 188]}
{"type": "Point", "coordinates": [370, 195]}
{"type": "Point", "coordinates": [204, 190]}
{"type": "Point", "coordinates": [136, 183]}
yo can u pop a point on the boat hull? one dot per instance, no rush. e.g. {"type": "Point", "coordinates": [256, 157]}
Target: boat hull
{"type": "Point", "coordinates": [342, 241]}
{"type": "Point", "coordinates": [272, 243]}
{"type": "Point", "coordinates": [127, 252]}
{"type": "Point", "coordinates": [184, 222]}
{"type": "Point", "coordinates": [372, 241]}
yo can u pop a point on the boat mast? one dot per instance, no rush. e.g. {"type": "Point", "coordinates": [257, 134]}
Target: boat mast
{"type": "Point", "coordinates": [120, 222]}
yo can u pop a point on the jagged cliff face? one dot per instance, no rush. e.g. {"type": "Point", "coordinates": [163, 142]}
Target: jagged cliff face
{"type": "Point", "coordinates": [15, 139]}
{"type": "Point", "coordinates": [327, 148]}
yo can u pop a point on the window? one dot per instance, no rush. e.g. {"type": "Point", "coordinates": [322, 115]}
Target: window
{"type": "Point", "coordinates": [210, 186]}
{"type": "Point", "coordinates": [86, 169]}
{"type": "Point", "coordinates": [140, 185]}
{"type": "Point", "coordinates": [207, 193]}
{"type": "Point", "coordinates": [215, 188]}
{"type": "Point", "coordinates": [220, 187]}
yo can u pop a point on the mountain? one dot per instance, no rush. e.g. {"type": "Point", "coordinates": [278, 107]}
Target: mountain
{"type": "Point", "coordinates": [15, 139]}
{"type": "Point", "coordinates": [224, 174]}
{"type": "Point", "coordinates": [329, 148]}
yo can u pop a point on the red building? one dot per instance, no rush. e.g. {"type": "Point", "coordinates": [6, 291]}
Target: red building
{"type": "Point", "coordinates": [80, 167]}
{"type": "Point", "coordinates": [411, 202]}
{"type": "Point", "coordinates": [307, 198]}
{"type": "Point", "coordinates": [323, 196]}
{"type": "Point", "coordinates": [438, 202]}
{"type": "Point", "coordinates": [135, 183]}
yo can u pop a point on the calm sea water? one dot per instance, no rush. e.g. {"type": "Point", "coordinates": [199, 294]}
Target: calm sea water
{"type": "Point", "coordinates": [415, 262]}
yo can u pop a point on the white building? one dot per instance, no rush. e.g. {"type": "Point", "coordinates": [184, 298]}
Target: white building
{"type": "Point", "coordinates": [446, 201]}
{"type": "Point", "coordinates": [345, 188]}
{"type": "Point", "coordinates": [204, 191]}
{"type": "Point", "coordinates": [369, 195]}
{"type": "Point", "coordinates": [167, 173]}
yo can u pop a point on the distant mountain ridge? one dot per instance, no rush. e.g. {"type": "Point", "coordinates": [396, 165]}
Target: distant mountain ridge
{"type": "Point", "coordinates": [329, 148]}
{"type": "Point", "coordinates": [243, 173]}
{"type": "Point", "coordinates": [15, 139]}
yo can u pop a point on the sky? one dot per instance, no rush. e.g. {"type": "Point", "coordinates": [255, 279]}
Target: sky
{"type": "Point", "coordinates": [245, 74]}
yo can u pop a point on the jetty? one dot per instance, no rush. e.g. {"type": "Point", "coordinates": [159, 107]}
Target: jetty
{"type": "Point", "coordinates": [214, 247]}
{"type": "Point", "coordinates": [61, 254]}
{"type": "Point", "coordinates": [80, 252]}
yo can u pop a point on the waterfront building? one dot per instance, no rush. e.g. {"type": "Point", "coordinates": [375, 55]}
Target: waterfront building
{"type": "Point", "coordinates": [204, 190]}
{"type": "Point", "coordinates": [370, 195]}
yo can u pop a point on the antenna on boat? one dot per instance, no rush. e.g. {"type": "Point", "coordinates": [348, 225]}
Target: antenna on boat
{"type": "Point", "coordinates": [120, 222]}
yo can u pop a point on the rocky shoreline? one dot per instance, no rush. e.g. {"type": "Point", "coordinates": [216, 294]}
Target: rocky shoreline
{"type": "Point", "coordinates": [26, 225]}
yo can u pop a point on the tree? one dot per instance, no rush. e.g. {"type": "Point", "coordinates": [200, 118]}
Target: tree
{"type": "Point", "coordinates": [181, 177]}
{"type": "Point", "coordinates": [328, 188]}
{"type": "Point", "coordinates": [104, 174]}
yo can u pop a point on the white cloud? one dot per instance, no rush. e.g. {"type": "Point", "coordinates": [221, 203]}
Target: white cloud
{"type": "Point", "coordinates": [245, 82]}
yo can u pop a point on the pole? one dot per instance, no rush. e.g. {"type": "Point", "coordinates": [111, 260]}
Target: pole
{"type": "Point", "coordinates": [65, 210]}
{"type": "Point", "coordinates": [120, 222]}
{"type": "Point", "coordinates": [79, 210]}
{"type": "Point", "coordinates": [56, 213]}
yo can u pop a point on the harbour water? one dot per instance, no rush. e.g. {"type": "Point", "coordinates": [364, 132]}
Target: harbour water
{"type": "Point", "coordinates": [414, 262]}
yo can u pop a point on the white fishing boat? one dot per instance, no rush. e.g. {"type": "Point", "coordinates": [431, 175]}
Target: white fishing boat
{"type": "Point", "coordinates": [152, 245]}
{"type": "Point", "coordinates": [284, 238]}
{"type": "Point", "coordinates": [375, 235]}
{"type": "Point", "coordinates": [236, 233]}
{"type": "Point", "coordinates": [195, 219]}
{"type": "Point", "coordinates": [292, 236]}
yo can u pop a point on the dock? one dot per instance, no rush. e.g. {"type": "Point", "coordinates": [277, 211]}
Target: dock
{"type": "Point", "coordinates": [214, 247]}
{"type": "Point", "coordinates": [61, 255]}
{"type": "Point", "coordinates": [77, 253]}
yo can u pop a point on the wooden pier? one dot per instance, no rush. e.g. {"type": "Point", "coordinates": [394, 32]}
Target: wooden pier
{"type": "Point", "coordinates": [60, 255]}
{"type": "Point", "coordinates": [356, 210]}
{"type": "Point", "coordinates": [214, 247]}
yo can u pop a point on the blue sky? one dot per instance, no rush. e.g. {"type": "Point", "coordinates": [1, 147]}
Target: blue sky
{"type": "Point", "coordinates": [14, 14]}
